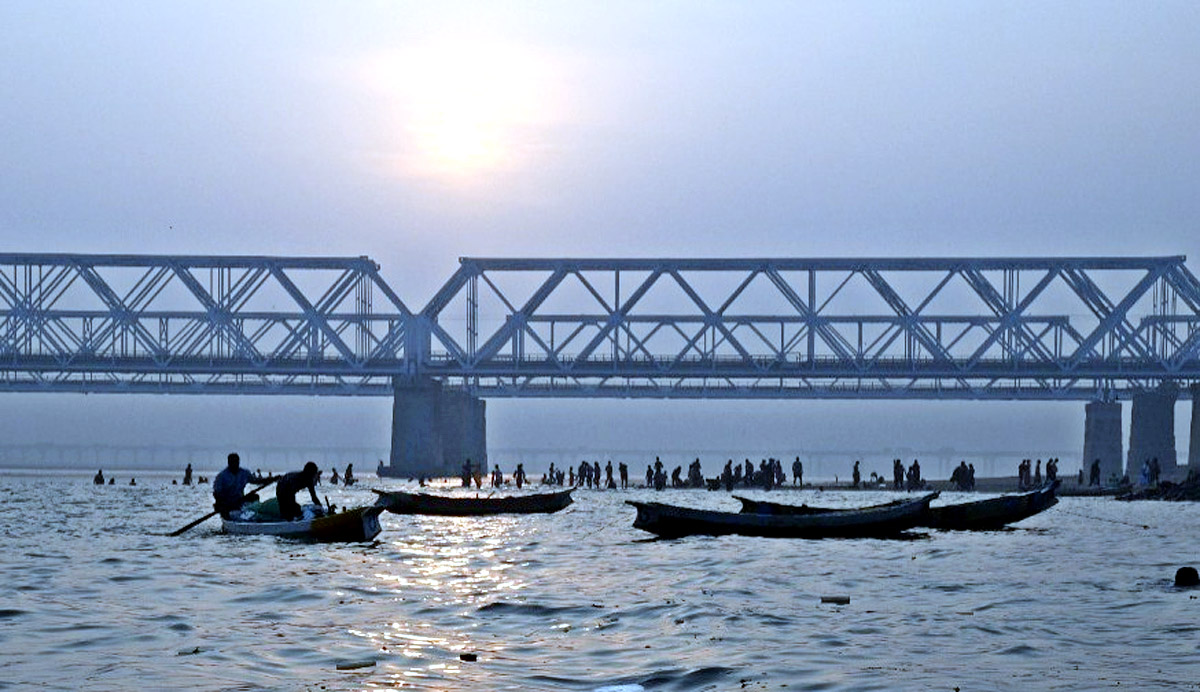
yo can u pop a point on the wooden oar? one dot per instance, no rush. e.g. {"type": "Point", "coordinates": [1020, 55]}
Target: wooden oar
{"type": "Point", "coordinates": [213, 513]}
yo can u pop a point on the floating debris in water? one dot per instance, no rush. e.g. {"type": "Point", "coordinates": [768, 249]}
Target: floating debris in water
{"type": "Point", "coordinates": [189, 653]}
{"type": "Point", "coordinates": [469, 658]}
{"type": "Point", "coordinates": [837, 600]}
{"type": "Point", "coordinates": [355, 665]}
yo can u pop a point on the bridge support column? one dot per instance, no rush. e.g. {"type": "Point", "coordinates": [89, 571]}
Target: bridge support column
{"type": "Point", "coordinates": [1194, 442]}
{"type": "Point", "coordinates": [1152, 430]}
{"type": "Point", "coordinates": [435, 430]}
{"type": "Point", "coordinates": [1102, 439]}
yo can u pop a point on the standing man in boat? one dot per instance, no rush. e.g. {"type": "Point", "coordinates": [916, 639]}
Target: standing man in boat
{"type": "Point", "coordinates": [290, 484]}
{"type": "Point", "coordinates": [230, 484]}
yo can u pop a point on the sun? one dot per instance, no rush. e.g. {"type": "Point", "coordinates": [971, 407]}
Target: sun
{"type": "Point", "coordinates": [466, 107]}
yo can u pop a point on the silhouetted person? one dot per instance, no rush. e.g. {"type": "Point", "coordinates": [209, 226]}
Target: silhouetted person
{"type": "Point", "coordinates": [187, 475]}
{"type": "Point", "coordinates": [649, 476]}
{"type": "Point", "coordinates": [609, 483]}
{"type": "Point", "coordinates": [897, 475]}
{"type": "Point", "coordinates": [291, 483]}
{"type": "Point", "coordinates": [1095, 475]}
{"type": "Point", "coordinates": [99, 478]}
{"type": "Point", "coordinates": [857, 476]}
{"type": "Point", "coordinates": [348, 478]}
{"type": "Point", "coordinates": [519, 476]}
{"type": "Point", "coordinates": [466, 474]}
{"type": "Point", "coordinates": [334, 479]}
{"type": "Point", "coordinates": [797, 473]}
{"type": "Point", "coordinates": [230, 484]}
{"type": "Point", "coordinates": [623, 471]}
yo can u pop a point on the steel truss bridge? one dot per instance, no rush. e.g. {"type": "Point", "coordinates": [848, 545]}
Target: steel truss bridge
{"type": "Point", "coordinates": [891, 328]}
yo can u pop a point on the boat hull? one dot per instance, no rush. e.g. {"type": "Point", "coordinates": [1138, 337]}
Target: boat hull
{"type": "Point", "coordinates": [399, 502]}
{"type": "Point", "coordinates": [993, 513]}
{"type": "Point", "coordinates": [981, 515]}
{"type": "Point", "coordinates": [361, 524]}
{"type": "Point", "coordinates": [669, 521]}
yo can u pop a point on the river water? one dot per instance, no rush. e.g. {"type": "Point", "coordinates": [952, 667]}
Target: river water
{"type": "Point", "coordinates": [94, 595]}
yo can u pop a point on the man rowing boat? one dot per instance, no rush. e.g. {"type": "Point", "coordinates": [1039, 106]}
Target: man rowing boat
{"type": "Point", "coordinates": [230, 484]}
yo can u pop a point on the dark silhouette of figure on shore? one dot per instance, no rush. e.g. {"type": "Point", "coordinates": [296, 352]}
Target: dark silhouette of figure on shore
{"type": "Point", "coordinates": [333, 477]}
{"type": "Point", "coordinates": [519, 475]}
{"type": "Point", "coordinates": [649, 476]}
{"type": "Point", "coordinates": [857, 477]}
{"type": "Point", "coordinates": [660, 476]}
{"type": "Point", "coordinates": [897, 475]}
{"type": "Point", "coordinates": [798, 473]}
{"type": "Point", "coordinates": [348, 478]}
{"type": "Point", "coordinates": [1037, 474]}
{"type": "Point", "coordinates": [1094, 479]}
{"type": "Point", "coordinates": [623, 472]}
{"type": "Point", "coordinates": [609, 483]}
{"type": "Point", "coordinates": [466, 474]}
{"type": "Point", "coordinates": [914, 476]}
{"type": "Point", "coordinates": [187, 475]}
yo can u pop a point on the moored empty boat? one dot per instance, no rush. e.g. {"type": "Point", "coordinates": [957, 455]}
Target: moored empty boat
{"type": "Point", "coordinates": [670, 521]}
{"type": "Point", "coordinates": [400, 502]}
{"type": "Point", "coordinates": [360, 524]}
{"type": "Point", "coordinates": [992, 513]}
{"type": "Point", "coordinates": [979, 515]}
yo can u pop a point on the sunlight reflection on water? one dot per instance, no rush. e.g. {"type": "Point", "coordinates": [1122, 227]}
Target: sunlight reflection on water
{"type": "Point", "coordinates": [99, 597]}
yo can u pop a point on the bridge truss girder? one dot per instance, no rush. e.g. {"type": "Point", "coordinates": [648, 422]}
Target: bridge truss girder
{"type": "Point", "coordinates": [977, 328]}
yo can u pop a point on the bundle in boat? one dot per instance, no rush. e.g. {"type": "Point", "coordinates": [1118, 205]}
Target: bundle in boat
{"type": "Point", "coordinates": [880, 521]}
{"type": "Point", "coordinates": [980, 515]}
{"type": "Point", "coordinates": [352, 525]}
{"type": "Point", "coordinates": [400, 502]}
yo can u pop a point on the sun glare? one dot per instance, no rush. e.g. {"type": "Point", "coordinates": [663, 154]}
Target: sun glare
{"type": "Point", "coordinates": [465, 108]}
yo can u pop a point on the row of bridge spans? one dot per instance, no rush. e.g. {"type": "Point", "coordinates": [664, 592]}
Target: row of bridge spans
{"type": "Point", "coordinates": [1082, 328]}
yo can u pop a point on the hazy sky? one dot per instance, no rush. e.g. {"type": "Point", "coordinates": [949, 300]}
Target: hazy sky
{"type": "Point", "coordinates": [420, 132]}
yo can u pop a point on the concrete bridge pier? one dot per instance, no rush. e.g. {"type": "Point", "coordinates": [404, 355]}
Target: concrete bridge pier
{"type": "Point", "coordinates": [1194, 442]}
{"type": "Point", "coordinates": [1102, 439]}
{"type": "Point", "coordinates": [1152, 430]}
{"type": "Point", "coordinates": [434, 430]}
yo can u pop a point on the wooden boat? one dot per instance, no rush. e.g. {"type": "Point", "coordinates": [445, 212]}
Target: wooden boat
{"type": "Point", "coordinates": [400, 502]}
{"type": "Point", "coordinates": [670, 521]}
{"type": "Point", "coordinates": [993, 513]}
{"type": "Point", "coordinates": [764, 507]}
{"type": "Point", "coordinates": [980, 515]}
{"type": "Point", "coordinates": [360, 524]}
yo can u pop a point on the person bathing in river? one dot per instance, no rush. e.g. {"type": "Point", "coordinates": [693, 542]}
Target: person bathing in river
{"type": "Point", "coordinates": [99, 479]}
{"type": "Point", "coordinates": [290, 484]}
{"type": "Point", "coordinates": [519, 476]}
{"type": "Point", "coordinates": [187, 475]}
{"type": "Point", "coordinates": [230, 484]}
{"type": "Point", "coordinates": [334, 479]}
{"type": "Point", "coordinates": [348, 478]}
